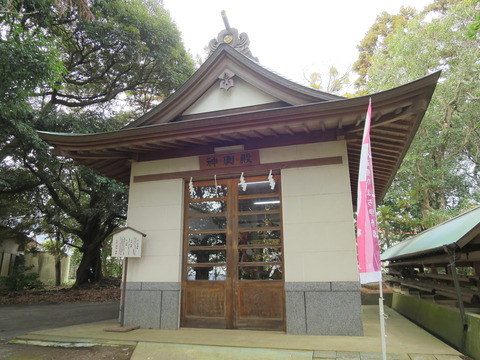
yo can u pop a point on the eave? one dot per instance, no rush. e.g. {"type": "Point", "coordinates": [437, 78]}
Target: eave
{"type": "Point", "coordinates": [397, 113]}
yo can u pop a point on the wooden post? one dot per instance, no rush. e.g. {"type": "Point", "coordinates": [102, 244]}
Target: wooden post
{"type": "Point", "coordinates": [124, 289]}
{"type": "Point", "coordinates": [450, 250]}
{"type": "Point", "coordinates": [476, 267]}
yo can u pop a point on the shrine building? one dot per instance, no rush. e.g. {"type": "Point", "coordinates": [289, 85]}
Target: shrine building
{"type": "Point", "coordinates": [245, 185]}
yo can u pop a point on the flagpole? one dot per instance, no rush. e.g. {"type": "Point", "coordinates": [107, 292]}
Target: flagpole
{"type": "Point", "coordinates": [383, 334]}
{"type": "Point", "coordinates": [367, 231]}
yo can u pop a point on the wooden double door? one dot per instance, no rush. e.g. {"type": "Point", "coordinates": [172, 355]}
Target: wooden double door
{"type": "Point", "coordinates": [232, 260]}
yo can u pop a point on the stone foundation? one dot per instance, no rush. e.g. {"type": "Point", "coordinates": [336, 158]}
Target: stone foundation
{"type": "Point", "coordinates": [153, 305]}
{"type": "Point", "coordinates": [312, 308]}
{"type": "Point", "coordinates": [324, 308]}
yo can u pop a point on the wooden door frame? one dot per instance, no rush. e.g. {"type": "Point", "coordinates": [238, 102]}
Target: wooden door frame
{"type": "Point", "coordinates": [231, 285]}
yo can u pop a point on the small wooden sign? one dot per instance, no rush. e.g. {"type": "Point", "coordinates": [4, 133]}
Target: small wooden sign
{"type": "Point", "coordinates": [221, 161]}
{"type": "Point", "coordinates": [127, 243]}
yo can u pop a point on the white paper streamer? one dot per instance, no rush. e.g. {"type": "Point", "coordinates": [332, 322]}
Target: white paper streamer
{"type": "Point", "coordinates": [271, 180]}
{"type": "Point", "coordinates": [243, 182]}
{"type": "Point", "coordinates": [190, 188]}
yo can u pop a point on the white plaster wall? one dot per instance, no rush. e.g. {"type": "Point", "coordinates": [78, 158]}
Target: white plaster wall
{"type": "Point", "coordinates": [241, 95]}
{"type": "Point", "coordinates": [156, 209]}
{"type": "Point", "coordinates": [165, 166]}
{"type": "Point", "coordinates": [318, 228]}
{"type": "Point", "coordinates": [319, 239]}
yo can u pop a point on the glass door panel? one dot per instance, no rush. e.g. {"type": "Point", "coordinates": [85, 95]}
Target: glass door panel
{"type": "Point", "coordinates": [259, 236]}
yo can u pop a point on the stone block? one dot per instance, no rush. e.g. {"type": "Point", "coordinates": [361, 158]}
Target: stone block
{"type": "Point", "coordinates": [371, 356]}
{"type": "Point", "coordinates": [134, 285]}
{"type": "Point", "coordinates": [308, 286]}
{"type": "Point", "coordinates": [345, 286]}
{"type": "Point", "coordinates": [325, 355]}
{"type": "Point", "coordinates": [170, 310]}
{"type": "Point", "coordinates": [422, 357]}
{"type": "Point", "coordinates": [333, 313]}
{"type": "Point", "coordinates": [348, 355]}
{"type": "Point", "coordinates": [160, 286]}
{"type": "Point", "coordinates": [295, 312]}
{"type": "Point", "coordinates": [143, 308]}
{"type": "Point", "coordinates": [398, 357]}
{"type": "Point", "coordinates": [379, 356]}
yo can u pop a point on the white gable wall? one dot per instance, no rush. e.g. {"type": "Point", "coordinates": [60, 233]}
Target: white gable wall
{"type": "Point", "coordinates": [241, 95]}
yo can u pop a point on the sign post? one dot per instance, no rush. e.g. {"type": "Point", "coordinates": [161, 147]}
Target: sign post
{"type": "Point", "coordinates": [126, 243]}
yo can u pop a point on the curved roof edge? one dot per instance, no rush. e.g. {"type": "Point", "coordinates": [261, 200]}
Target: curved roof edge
{"type": "Point", "coordinates": [397, 113]}
{"type": "Point", "coordinates": [324, 106]}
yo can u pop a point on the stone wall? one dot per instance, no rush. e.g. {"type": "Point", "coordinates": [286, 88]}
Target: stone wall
{"type": "Point", "coordinates": [443, 321]}
{"type": "Point", "coordinates": [44, 265]}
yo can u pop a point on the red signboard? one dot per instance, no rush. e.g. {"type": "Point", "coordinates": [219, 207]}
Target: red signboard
{"type": "Point", "coordinates": [221, 161]}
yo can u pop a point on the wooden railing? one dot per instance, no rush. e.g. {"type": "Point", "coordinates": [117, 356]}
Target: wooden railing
{"type": "Point", "coordinates": [437, 284]}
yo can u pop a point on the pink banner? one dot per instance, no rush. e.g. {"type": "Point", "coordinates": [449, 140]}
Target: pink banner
{"type": "Point", "coordinates": [367, 231]}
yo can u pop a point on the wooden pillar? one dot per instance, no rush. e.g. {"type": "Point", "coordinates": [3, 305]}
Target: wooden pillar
{"type": "Point", "coordinates": [476, 268]}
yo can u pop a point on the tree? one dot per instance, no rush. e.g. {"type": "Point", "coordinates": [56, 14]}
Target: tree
{"type": "Point", "coordinates": [61, 71]}
{"type": "Point", "coordinates": [336, 82]}
{"type": "Point", "coordinates": [474, 28]}
{"type": "Point", "coordinates": [440, 174]}
{"type": "Point", "coordinates": [376, 41]}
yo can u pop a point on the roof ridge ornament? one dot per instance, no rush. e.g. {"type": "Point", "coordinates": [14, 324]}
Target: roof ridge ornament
{"type": "Point", "coordinates": [231, 37]}
{"type": "Point", "coordinates": [226, 79]}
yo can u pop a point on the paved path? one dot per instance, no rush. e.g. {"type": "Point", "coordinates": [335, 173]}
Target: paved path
{"type": "Point", "coordinates": [405, 341]}
{"type": "Point", "coordinates": [16, 320]}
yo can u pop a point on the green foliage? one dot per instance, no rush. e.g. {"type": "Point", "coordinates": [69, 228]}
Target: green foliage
{"type": "Point", "coordinates": [376, 41]}
{"type": "Point", "coordinates": [439, 177]}
{"type": "Point", "coordinates": [55, 248]}
{"type": "Point", "coordinates": [113, 266]}
{"type": "Point", "coordinates": [21, 278]}
{"type": "Point", "coordinates": [474, 27]}
{"type": "Point", "coordinates": [62, 65]}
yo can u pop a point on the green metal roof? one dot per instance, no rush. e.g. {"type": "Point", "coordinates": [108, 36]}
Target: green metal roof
{"type": "Point", "coordinates": [460, 230]}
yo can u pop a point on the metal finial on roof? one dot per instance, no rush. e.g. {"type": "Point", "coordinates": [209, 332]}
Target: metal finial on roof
{"type": "Point", "coordinates": [225, 20]}
{"type": "Point", "coordinates": [231, 37]}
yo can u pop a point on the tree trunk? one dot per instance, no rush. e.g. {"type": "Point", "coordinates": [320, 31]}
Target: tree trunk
{"type": "Point", "coordinates": [90, 268]}
{"type": "Point", "coordinates": [58, 271]}
{"type": "Point", "coordinates": [58, 258]}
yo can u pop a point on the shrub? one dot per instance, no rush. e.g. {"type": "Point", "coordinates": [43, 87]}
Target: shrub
{"type": "Point", "coordinates": [21, 279]}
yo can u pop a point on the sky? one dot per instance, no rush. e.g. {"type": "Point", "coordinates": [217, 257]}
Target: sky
{"type": "Point", "coordinates": [292, 38]}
